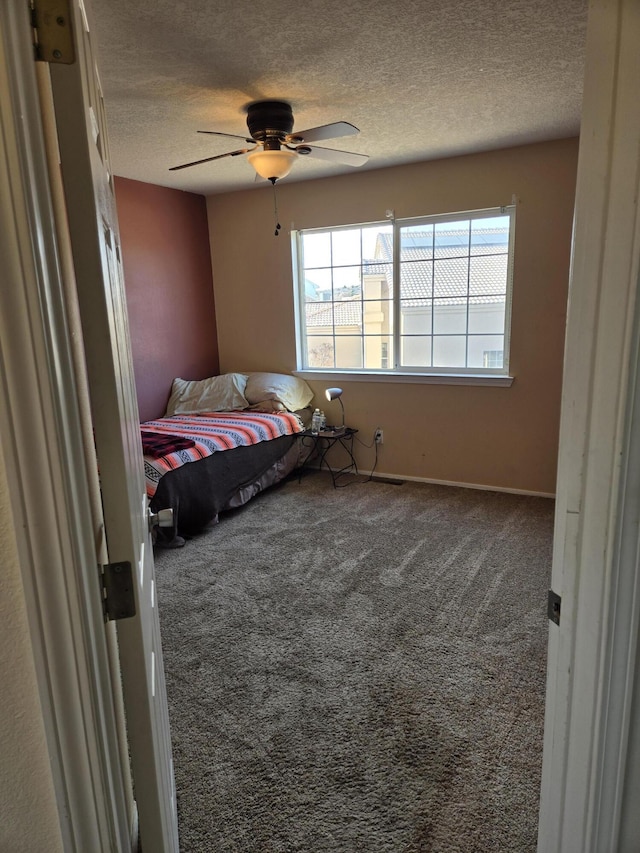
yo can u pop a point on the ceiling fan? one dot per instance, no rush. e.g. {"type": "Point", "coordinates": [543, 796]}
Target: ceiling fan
{"type": "Point", "coordinates": [276, 147]}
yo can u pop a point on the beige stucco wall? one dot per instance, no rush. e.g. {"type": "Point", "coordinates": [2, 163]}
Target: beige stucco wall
{"type": "Point", "coordinates": [28, 814]}
{"type": "Point", "coordinates": [503, 437]}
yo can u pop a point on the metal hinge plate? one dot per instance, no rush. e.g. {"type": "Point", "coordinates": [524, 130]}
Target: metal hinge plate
{"type": "Point", "coordinates": [52, 31]}
{"type": "Point", "coordinates": [118, 594]}
{"type": "Point", "coordinates": [554, 603]}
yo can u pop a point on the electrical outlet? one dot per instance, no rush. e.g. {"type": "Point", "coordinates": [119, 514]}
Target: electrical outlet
{"type": "Point", "coordinates": [379, 436]}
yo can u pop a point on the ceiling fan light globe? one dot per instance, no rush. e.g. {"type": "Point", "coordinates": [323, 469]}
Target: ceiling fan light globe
{"type": "Point", "coordinates": [272, 165]}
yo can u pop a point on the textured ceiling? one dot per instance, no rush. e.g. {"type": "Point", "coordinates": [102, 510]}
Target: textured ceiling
{"type": "Point", "coordinates": [422, 79]}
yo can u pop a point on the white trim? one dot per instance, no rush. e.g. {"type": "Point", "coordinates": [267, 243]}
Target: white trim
{"type": "Point", "coordinates": [299, 291]}
{"type": "Point", "coordinates": [621, 640]}
{"type": "Point", "coordinates": [594, 650]}
{"type": "Point", "coordinates": [94, 244]}
{"type": "Point", "coordinates": [43, 447]}
{"type": "Point", "coordinates": [298, 296]}
{"type": "Point", "coordinates": [379, 474]}
{"type": "Point", "coordinates": [412, 378]}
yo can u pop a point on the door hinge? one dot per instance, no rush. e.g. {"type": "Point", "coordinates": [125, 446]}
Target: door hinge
{"type": "Point", "coordinates": [52, 31]}
{"type": "Point", "coordinates": [117, 591]}
{"type": "Point", "coordinates": [554, 602]}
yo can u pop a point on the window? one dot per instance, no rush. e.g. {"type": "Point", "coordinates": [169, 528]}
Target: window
{"type": "Point", "coordinates": [492, 358]}
{"type": "Point", "coordinates": [429, 295]}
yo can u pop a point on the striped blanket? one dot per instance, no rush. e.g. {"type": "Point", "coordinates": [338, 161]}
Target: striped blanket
{"type": "Point", "coordinates": [211, 433]}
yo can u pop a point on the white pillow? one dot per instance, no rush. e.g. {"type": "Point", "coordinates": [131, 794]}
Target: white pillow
{"type": "Point", "coordinates": [216, 394]}
{"type": "Point", "coordinates": [292, 391]}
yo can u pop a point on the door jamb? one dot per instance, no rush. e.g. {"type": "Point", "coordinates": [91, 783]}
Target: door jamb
{"type": "Point", "coordinates": [47, 478]}
{"type": "Point", "coordinates": [592, 654]}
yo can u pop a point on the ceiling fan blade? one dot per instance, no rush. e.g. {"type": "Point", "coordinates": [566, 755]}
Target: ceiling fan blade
{"type": "Point", "coordinates": [349, 158]}
{"type": "Point", "coordinates": [325, 131]}
{"type": "Point", "coordinates": [228, 135]}
{"type": "Point", "coordinates": [209, 159]}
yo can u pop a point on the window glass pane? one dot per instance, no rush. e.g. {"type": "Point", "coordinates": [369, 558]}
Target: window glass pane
{"type": "Point", "coordinates": [377, 242]}
{"type": "Point", "coordinates": [317, 285]}
{"type": "Point", "coordinates": [386, 359]}
{"type": "Point", "coordinates": [316, 249]}
{"type": "Point", "coordinates": [416, 279]}
{"type": "Point", "coordinates": [449, 351]}
{"type": "Point", "coordinates": [452, 239]}
{"type": "Point", "coordinates": [416, 351]}
{"type": "Point", "coordinates": [416, 242]}
{"type": "Point", "coordinates": [377, 280]}
{"type": "Point", "coordinates": [488, 274]}
{"type": "Point", "coordinates": [449, 316]}
{"type": "Point", "coordinates": [347, 282]}
{"type": "Point", "coordinates": [490, 235]}
{"type": "Point", "coordinates": [345, 247]}
{"type": "Point", "coordinates": [453, 293]}
{"type": "Point", "coordinates": [349, 351]}
{"type": "Point", "coordinates": [347, 317]}
{"type": "Point", "coordinates": [378, 352]}
{"type": "Point", "coordinates": [319, 317]}
{"type": "Point", "coordinates": [416, 317]}
{"type": "Point", "coordinates": [486, 315]}
{"type": "Point", "coordinates": [485, 350]}
{"type": "Point", "coordinates": [377, 316]}
{"type": "Point", "coordinates": [320, 352]}
{"type": "Point", "coordinates": [493, 358]}
{"type": "Point", "coordinates": [450, 278]}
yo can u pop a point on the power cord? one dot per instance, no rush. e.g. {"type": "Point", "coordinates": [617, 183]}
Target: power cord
{"type": "Point", "coordinates": [374, 443]}
{"type": "Point", "coordinates": [367, 477]}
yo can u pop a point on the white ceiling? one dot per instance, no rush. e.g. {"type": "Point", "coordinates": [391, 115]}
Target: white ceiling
{"type": "Point", "coordinates": [422, 79]}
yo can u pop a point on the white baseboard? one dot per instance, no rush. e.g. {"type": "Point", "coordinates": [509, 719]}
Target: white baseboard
{"type": "Point", "coordinates": [528, 492]}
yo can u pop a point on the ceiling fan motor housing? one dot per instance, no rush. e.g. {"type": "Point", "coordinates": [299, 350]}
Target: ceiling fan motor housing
{"type": "Point", "coordinates": [270, 124]}
{"type": "Point", "coordinates": [269, 119]}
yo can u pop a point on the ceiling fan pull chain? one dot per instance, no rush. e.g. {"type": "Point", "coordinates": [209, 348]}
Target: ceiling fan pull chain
{"type": "Point", "coordinates": [275, 209]}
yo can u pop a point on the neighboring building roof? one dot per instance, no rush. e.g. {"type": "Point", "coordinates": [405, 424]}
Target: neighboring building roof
{"type": "Point", "coordinates": [348, 313]}
{"type": "Point", "coordinates": [450, 279]}
{"type": "Point", "coordinates": [449, 285]}
{"type": "Point", "coordinates": [451, 243]}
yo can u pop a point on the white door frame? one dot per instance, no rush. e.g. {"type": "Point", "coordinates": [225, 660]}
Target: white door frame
{"type": "Point", "coordinates": [83, 146]}
{"type": "Point", "coordinates": [592, 654]}
{"type": "Point", "coordinates": [589, 695]}
{"type": "Point", "coordinates": [42, 442]}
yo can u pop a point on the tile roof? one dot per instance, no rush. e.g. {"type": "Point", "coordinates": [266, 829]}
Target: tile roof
{"type": "Point", "coordinates": [347, 313]}
{"type": "Point", "coordinates": [450, 267]}
{"type": "Point", "coordinates": [444, 277]}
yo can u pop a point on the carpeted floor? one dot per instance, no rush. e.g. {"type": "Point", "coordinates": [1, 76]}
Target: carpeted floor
{"type": "Point", "coordinates": [359, 670]}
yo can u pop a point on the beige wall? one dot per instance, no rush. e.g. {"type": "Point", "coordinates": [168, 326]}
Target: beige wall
{"type": "Point", "coordinates": [502, 437]}
{"type": "Point", "coordinates": [28, 815]}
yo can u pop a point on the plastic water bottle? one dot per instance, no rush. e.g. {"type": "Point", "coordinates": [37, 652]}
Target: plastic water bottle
{"type": "Point", "coordinates": [315, 422]}
{"type": "Point", "coordinates": [323, 421]}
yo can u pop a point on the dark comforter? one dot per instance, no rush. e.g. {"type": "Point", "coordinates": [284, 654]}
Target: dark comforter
{"type": "Point", "coordinates": [197, 492]}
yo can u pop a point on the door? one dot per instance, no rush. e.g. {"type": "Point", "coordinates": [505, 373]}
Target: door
{"type": "Point", "coordinates": [589, 726]}
{"type": "Point", "coordinates": [95, 246]}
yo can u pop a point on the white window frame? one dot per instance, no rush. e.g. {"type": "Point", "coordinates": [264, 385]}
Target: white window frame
{"type": "Point", "coordinates": [433, 375]}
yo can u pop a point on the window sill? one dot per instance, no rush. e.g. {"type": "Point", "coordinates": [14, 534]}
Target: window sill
{"type": "Point", "coordinates": [489, 379]}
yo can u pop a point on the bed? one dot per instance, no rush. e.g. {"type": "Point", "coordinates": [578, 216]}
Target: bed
{"type": "Point", "coordinates": [222, 440]}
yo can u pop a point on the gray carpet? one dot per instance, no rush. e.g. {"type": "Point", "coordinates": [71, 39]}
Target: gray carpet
{"type": "Point", "coordinates": [359, 670]}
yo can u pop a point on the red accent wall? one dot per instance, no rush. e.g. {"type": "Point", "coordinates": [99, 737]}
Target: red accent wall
{"type": "Point", "coordinates": [169, 286]}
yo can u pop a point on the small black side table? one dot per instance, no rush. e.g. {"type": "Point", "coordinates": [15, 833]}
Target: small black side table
{"type": "Point", "coordinates": [322, 444]}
